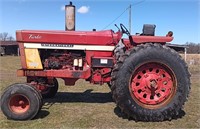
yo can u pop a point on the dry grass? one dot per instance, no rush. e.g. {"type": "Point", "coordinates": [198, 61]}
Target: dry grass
{"type": "Point", "coordinates": [90, 106]}
{"type": "Point", "coordinates": [193, 61]}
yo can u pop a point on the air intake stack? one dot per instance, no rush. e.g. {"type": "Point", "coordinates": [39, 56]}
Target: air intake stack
{"type": "Point", "coordinates": [70, 17]}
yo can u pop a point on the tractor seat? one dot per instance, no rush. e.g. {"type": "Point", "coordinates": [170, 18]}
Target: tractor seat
{"type": "Point", "coordinates": [148, 30]}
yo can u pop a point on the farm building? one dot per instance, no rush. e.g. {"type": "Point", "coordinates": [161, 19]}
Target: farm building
{"type": "Point", "coordinates": [9, 48]}
{"type": "Point", "coordinates": [179, 49]}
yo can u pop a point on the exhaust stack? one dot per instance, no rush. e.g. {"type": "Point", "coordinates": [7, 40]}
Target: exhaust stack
{"type": "Point", "coordinates": [70, 17]}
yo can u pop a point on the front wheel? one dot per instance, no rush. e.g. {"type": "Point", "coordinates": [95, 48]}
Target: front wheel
{"type": "Point", "coordinates": [20, 102]}
{"type": "Point", "coordinates": [152, 83]}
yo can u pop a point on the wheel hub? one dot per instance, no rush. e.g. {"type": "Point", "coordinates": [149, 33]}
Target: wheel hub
{"type": "Point", "coordinates": [151, 81]}
{"type": "Point", "coordinates": [152, 84]}
{"type": "Point", "coordinates": [19, 104]}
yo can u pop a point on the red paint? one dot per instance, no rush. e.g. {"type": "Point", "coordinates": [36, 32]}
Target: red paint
{"type": "Point", "coordinates": [106, 74]}
{"type": "Point", "coordinates": [101, 76]}
{"type": "Point", "coordinates": [81, 74]}
{"type": "Point", "coordinates": [127, 44]}
{"type": "Point", "coordinates": [41, 87]}
{"type": "Point", "coordinates": [22, 55]}
{"type": "Point", "coordinates": [151, 39]}
{"type": "Point", "coordinates": [97, 78]}
{"type": "Point", "coordinates": [136, 40]}
{"type": "Point", "coordinates": [70, 81]}
{"type": "Point", "coordinates": [152, 83]}
{"type": "Point", "coordinates": [107, 37]}
{"type": "Point", "coordinates": [19, 104]}
{"type": "Point", "coordinates": [54, 61]}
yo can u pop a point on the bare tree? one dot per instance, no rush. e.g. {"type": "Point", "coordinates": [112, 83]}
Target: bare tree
{"type": "Point", "coordinates": [5, 37]}
{"type": "Point", "coordinates": [10, 38]}
{"type": "Point", "coordinates": [193, 48]}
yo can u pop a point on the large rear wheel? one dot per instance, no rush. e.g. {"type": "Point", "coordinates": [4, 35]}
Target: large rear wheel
{"type": "Point", "coordinates": [152, 83]}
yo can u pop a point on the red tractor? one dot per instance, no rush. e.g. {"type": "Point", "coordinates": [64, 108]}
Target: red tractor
{"type": "Point", "coordinates": [148, 80]}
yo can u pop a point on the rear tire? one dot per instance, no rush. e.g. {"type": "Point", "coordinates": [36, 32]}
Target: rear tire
{"type": "Point", "coordinates": [158, 96]}
{"type": "Point", "coordinates": [119, 51]}
{"type": "Point", "coordinates": [20, 102]}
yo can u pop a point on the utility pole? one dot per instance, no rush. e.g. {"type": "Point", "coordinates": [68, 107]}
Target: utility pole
{"type": "Point", "coordinates": [130, 18]}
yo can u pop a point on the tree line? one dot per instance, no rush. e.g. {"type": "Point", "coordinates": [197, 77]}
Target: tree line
{"type": "Point", "coordinates": [192, 48]}
{"type": "Point", "coordinates": [6, 37]}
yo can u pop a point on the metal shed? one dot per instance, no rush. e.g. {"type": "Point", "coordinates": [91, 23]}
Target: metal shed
{"type": "Point", "coordinates": [179, 48]}
{"type": "Point", "coordinates": [9, 48]}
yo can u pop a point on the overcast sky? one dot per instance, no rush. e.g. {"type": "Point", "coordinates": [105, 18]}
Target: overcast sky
{"type": "Point", "coordinates": [180, 16]}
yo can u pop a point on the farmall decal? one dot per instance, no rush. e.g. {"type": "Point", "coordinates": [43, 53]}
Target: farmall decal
{"type": "Point", "coordinates": [33, 36]}
{"type": "Point", "coordinates": [57, 45]}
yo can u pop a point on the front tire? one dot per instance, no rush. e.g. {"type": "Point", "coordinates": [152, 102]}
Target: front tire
{"type": "Point", "coordinates": [20, 102]}
{"type": "Point", "coordinates": [152, 83]}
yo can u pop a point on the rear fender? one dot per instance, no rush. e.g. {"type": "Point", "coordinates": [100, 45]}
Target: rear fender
{"type": "Point", "coordinates": [152, 39]}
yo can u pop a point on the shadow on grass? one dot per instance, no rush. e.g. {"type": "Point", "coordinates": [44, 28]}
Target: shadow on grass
{"type": "Point", "coordinates": [119, 113]}
{"type": "Point", "coordinates": [88, 97]}
{"type": "Point", "coordinates": [74, 97]}
{"type": "Point", "coordinates": [41, 114]}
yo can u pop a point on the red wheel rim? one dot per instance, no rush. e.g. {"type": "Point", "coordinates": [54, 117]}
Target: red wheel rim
{"type": "Point", "coordinates": [19, 104]}
{"type": "Point", "coordinates": [152, 85]}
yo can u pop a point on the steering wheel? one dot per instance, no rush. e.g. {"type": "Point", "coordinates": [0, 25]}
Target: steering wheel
{"type": "Point", "coordinates": [124, 29]}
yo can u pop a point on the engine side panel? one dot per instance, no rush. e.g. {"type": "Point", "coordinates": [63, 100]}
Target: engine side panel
{"type": "Point", "coordinates": [91, 62]}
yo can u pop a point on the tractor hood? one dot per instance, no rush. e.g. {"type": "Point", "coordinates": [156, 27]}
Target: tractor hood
{"type": "Point", "coordinates": [107, 37]}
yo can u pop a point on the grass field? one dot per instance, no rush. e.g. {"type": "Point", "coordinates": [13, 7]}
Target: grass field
{"type": "Point", "coordinates": [193, 60]}
{"type": "Point", "coordinates": [91, 106]}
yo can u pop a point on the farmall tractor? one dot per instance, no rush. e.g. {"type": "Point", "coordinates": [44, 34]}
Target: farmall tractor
{"type": "Point", "coordinates": [148, 80]}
